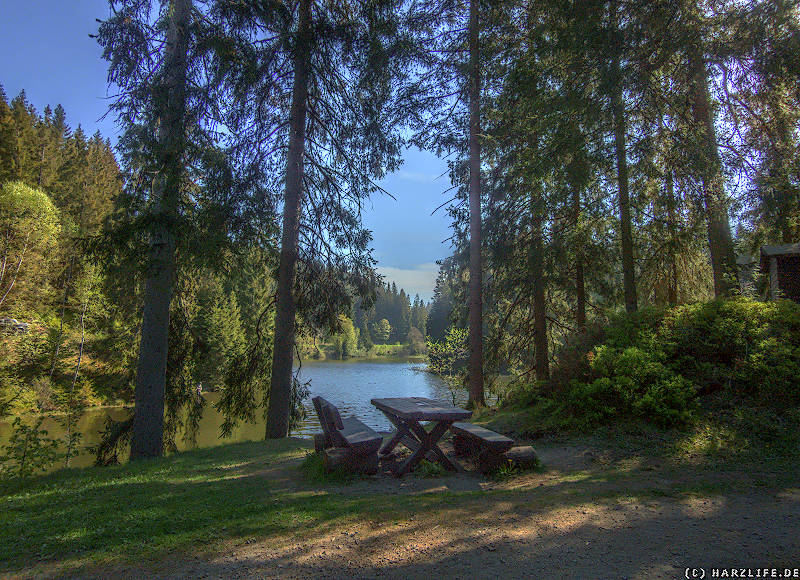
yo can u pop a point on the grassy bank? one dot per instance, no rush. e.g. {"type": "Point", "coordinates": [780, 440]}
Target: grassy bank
{"type": "Point", "coordinates": [325, 351]}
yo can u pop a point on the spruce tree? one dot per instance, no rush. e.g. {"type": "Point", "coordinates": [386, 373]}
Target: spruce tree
{"type": "Point", "coordinates": [153, 111]}
{"type": "Point", "coordinates": [338, 67]}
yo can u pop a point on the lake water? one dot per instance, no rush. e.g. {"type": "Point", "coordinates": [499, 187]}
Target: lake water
{"type": "Point", "coordinates": [347, 384]}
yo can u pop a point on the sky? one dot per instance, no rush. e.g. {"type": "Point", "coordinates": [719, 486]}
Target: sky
{"type": "Point", "coordinates": [46, 50]}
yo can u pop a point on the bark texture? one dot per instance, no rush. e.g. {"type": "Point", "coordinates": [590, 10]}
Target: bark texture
{"type": "Point", "coordinates": [536, 268]}
{"type": "Point", "coordinates": [148, 423]}
{"type": "Point", "coordinates": [475, 368]}
{"type": "Point", "coordinates": [577, 171]}
{"type": "Point", "coordinates": [672, 286]}
{"type": "Point", "coordinates": [623, 199]}
{"type": "Point", "coordinates": [285, 304]}
{"type": "Point", "coordinates": [720, 240]}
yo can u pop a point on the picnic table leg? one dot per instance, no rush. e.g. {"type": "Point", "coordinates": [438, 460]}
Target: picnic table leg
{"type": "Point", "coordinates": [420, 432]}
{"type": "Point", "coordinates": [427, 442]}
{"type": "Point", "coordinates": [401, 431]}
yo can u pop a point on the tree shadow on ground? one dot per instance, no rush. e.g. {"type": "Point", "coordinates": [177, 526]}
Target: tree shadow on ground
{"type": "Point", "coordinates": [259, 509]}
{"type": "Point", "coordinates": [612, 538]}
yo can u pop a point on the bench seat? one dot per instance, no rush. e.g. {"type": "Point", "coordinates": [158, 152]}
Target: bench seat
{"type": "Point", "coordinates": [359, 436]}
{"type": "Point", "coordinates": [486, 439]}
{"type": "Point", "coordinates": [345, 442]}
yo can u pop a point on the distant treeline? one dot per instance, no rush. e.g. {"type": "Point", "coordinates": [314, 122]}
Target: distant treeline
{"type": "Point", "coordinates": [78, 174]}
{"type": "Point", "coordinates": [397, 309]}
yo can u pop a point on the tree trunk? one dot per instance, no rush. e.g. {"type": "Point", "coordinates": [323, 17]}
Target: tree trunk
{"type": "Point", "coordinates": [620, 129]}
{"type": "Point", "coordinates": [476, 398]}
{"type": "Point", "coordinates": [577, 172]}
{"type": "Point", "coordinates": [720, 240]}
{"type": "Point", "coordinates": [148, 423]}
{"type": "Point", "coordinates": [672, 286]}
{"type": "Point", "coordinates": [580, 282]}
{"type": "Point", "coordinates": [536, 268]}
{"type": "Point", "coordinates": [16, 271]}
{"type": "Point", "coordinates": [72, 419]}
{"type": "Point", "coordinates": [285, 306]}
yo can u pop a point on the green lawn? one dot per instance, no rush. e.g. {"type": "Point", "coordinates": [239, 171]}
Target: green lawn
{"type": "Point", "coordinates": [191, 501]}
{"type": "Point", "coordinates": [205, 501]}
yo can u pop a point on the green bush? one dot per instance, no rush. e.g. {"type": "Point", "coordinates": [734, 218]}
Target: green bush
{"type": "Point", "coordinates": [630, 383]}
{"type": "Point", "coordinates": [29, 450]}
{"type": "Point", "coordinates": [658, 365]}
{"type": "Point", "coordinates": [740, 346]}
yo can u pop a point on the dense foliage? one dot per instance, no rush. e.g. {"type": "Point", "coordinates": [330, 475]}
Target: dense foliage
{"type": "Point", "coordinates": [621, 141]}
{"type": "Point", "coordinates": [599, 152]}
{"type": "Point", "coordinates": [666, 365]}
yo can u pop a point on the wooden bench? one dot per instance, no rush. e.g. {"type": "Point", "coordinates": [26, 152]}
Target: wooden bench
{"type": "Point", "coordinates": [487, 447]}
{"type": "Point", "coordinates": [347, 442]}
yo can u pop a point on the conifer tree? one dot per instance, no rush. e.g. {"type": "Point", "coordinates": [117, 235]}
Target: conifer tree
{"type": "Point", "coordinates": [720, 239]}
{"type": "Point", "coordinates": [129, 38]}
{"type": "Point", "coordinates": [450, 88]}
{"type": "Point", "coordinates": [6, 139]}
{"type": "Point", "coordinates": [338, 68]}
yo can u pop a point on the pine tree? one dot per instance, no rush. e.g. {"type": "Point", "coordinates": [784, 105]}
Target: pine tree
{"type": "Point", "coordinates": [24, 143]}
{"type": "Point", "coordinates": [619, 115]}
{"type": "Point", "coordinates": [6, 139]}
{"type": "Point", "coordinates": [720, 240]}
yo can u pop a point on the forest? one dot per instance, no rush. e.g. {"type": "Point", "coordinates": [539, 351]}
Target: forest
{"type": "Point", "coordinates": [605, 381]}
{"type": "Point", "coordinates": [608, 160]}
{"type": "Point", "coordinates": [60, 190]}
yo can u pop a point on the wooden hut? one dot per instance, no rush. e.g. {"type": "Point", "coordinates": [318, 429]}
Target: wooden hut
{"type": "Point", "coordinates": [781, 266]}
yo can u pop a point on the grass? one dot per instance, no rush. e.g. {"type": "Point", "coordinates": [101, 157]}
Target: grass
{"type": "Point", "coordinates": [204, 501]}
{"type": "Point", "coordinates": [388, 350]}
{"type": "Point", "coordinates": [430, 470]}
{"type": "Point", "coordinates": [149, 508]}
{"type": "Point", "coordinates": [313, 470]}
{"type": "Point", "coordinates": [194, 501]}
{"type": "Point", "coordinates": [726, 432]}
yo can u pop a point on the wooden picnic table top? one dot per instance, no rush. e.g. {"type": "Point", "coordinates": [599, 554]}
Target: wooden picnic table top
{"type": "Point", "coordinates": [421, 409]}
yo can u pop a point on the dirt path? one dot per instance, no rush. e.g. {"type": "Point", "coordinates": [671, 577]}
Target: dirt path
{"type": "Point", "coordinates": [577, 520]}
{"type": "Point", "coordinates": [623, 539]}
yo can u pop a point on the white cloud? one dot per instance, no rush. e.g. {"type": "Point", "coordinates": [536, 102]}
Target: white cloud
{"type": "Point", "coordinates": [416, 176]}
{"type": "Point", "coordinates": [418, 280]}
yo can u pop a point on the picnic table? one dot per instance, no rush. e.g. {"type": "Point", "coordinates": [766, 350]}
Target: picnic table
{"type": "Point", "coordinates": [407, 415]}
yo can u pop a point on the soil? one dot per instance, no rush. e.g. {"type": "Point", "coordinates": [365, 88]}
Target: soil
{"type": "Point", "coordinates": [582, 517]}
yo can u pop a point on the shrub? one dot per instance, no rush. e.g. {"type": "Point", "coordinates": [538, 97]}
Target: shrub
{"type": "Point", "coordinates": [631, 383]}
{"type": "Point", "coordinates": [29, 450]}
{"type": "Point", "coordinates": [653, 364]}
{"type": "Point", "coordinates": [741, 346]}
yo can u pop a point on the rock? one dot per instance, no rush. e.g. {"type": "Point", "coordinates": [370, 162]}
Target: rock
{"type": "Point", "coordinates": [523, 457]}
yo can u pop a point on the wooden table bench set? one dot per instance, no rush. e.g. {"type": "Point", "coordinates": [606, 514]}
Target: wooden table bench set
{"type": "Point", "coordinates": [350, 444]}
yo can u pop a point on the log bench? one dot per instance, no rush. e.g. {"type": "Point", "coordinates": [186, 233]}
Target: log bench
{"type": "Point", "coordinates": [489, 449]}
{"type": "Point", "coordinates": [346, 443]}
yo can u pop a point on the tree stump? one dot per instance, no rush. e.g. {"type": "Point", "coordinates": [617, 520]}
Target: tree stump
{"type": "Point", "coordinates": [348, 460]}
{"type": "Point", "coordinates": [319, 442]}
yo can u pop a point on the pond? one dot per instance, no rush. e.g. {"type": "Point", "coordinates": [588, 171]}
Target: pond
{"type": "Point", "coordinates": [347, 384]}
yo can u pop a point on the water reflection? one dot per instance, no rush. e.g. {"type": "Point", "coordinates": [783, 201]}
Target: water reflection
{"type": "Point", "coordinates": [351, 385]}
{"type": "Point", "coordinates": [347, 384]}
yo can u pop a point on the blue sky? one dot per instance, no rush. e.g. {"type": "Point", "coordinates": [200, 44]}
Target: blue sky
{"type": "Point", "coordinates": [45, 49]}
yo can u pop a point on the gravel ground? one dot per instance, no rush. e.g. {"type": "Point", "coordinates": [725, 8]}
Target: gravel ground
{"type": "Point", "coordinates": [572, 521]}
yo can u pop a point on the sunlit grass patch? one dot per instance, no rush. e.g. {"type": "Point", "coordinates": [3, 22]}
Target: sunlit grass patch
{"type": "Point", "coordinates": [314, 471]}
